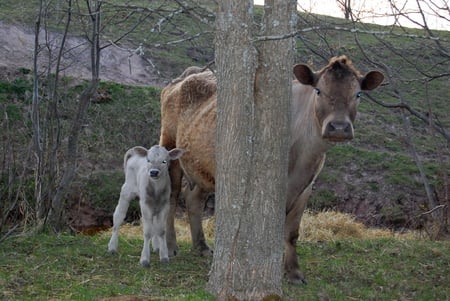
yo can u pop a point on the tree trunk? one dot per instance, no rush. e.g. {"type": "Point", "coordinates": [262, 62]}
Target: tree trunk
{"type": "Point", "coordinates": [254, 91]}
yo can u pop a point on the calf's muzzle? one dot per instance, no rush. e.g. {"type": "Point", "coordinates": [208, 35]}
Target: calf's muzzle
{"type": "Point", "coordinates": [153, 173]}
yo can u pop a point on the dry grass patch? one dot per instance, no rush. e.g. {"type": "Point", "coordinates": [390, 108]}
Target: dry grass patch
{"type": "Point", "coordinates": [331, 225]}
{"type": "Point", "coordinates": [322, 226]}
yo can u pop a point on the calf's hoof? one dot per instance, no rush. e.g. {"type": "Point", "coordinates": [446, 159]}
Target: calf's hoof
{"type": "Point", "coordinates": [164, 260]}
{"type": "Point", "coordinates": [145, 263]}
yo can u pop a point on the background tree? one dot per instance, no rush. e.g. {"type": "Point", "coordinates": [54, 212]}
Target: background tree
{"type": "Point", "coordinates": [346, 7]}
{"type": "Point", "coordinates": [52, 179]}
{"type": "Point", "coordinates": [254, 92]}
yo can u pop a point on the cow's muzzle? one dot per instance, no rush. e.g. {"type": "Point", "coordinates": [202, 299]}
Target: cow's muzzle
{"type": "Point", "coordinates": [338, 131]}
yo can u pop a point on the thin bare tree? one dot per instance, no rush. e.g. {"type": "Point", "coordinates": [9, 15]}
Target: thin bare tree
{"type": "Point", "coordinates": [52, 178]}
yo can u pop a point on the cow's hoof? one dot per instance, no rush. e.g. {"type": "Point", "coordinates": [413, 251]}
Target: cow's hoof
{"type": "Point", "coordinates": [296, 277]}
{"type": "Point", "coordinates": [112, 251]}
{"type": "Point", "coordinates": [164, 260]}
{"type": "Point", "coordinates": [173, 251]}
{"type": "Point", "coordinates": [203, 250]}
{"type": "Point", "coordinates": [145, 263]}
{"type": "Point", "coordinates": [206, 253]}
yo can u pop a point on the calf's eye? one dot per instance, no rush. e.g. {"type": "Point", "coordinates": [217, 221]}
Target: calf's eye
{"type": "Point", "coordinates": [359, 94]}
{"type": "Point", "coordinates": [164, 162]}
{"type": "Point", "coordinates": [317, 91]}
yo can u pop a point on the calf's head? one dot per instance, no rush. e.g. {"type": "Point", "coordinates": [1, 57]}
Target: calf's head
{"type": "Point", "coordinates": [158, 159]}
{"type": "Point", "coordinates": [337, 90]}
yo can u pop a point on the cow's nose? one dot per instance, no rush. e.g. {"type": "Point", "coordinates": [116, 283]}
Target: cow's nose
{"type": "Point", "coordinates": [154, 173]}
{"type": "Point", "coordinates": [339, 130]}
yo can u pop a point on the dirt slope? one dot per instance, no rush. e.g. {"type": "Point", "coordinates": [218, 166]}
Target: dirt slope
{"type": "Point", "coordinates": [118, 64]}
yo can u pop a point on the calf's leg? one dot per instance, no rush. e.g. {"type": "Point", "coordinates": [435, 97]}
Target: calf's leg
{"type": "Point", "coordinates": [195, 203]}
{"type": "Point", "coordinates": [147, 227]}
{"type": "Point", "coordinates": [120, 212]}
{"type": "Point", "coordinates": [293, 218]}
{"type": "Point", "coordinates": [159, 233]}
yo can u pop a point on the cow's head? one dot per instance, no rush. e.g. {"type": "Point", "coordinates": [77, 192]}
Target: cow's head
{"type": "Point", "coordinates": [337, 90]}
{"type": "Point", "coordinates": [158, 159]}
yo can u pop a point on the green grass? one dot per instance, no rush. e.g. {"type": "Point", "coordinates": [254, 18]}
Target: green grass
{"type": "Point", "coordinates": [65, 267]}
{"type": "Point", "coordinates": [383, 269]}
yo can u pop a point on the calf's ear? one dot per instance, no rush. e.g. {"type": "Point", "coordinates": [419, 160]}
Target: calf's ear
{"type": "Point", "coordinates": [175, 153]}
{"type": "Point", "coordinates": [371, 80]}
{"type": "Point", "coordinates": [305, 75]}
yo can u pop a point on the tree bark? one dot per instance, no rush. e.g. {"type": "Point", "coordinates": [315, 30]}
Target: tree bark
{"type": "Point", "coordinates": [254, 91]}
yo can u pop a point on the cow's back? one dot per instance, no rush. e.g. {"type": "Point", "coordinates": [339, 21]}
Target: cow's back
{"type": "Point", "coordinates": [170, 108]}
{"type": "Point", "coordinates": [188, 109]}
{"type": "Point", "coordinates": [197, 135]}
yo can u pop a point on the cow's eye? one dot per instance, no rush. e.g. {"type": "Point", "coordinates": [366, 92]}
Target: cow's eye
{"type": "Point", "coordinates": [359, 94]}
{"type": "Point", "coordinates": [164, 162]}
{"type": "Point", "coordinates": [317, 91]}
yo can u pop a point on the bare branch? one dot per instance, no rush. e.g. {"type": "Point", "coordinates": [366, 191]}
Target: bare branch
{"type": "Point", "coordinates": [197, 35]}
{"type": "Point", "coordinates": [421, 116]}
{"type": "Point", "coordinates": [347, 29]}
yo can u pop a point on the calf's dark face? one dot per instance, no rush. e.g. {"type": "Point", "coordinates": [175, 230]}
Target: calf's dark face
{"type": "Point", "coordinates": [158, 159]}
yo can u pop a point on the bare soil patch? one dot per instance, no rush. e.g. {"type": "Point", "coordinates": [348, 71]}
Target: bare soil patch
{"type": "Point", "coordinates": [118, 64]}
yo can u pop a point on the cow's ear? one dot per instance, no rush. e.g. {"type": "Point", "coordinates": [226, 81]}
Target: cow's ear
{"type": "Point", "coordinates": [305, 75]}
{"type": "Point", "coordinates": [371, 80]}
{"type": "Point", "coordinates": [175, 153]}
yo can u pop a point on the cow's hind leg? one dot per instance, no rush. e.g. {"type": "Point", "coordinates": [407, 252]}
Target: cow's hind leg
{"type": "Point", "coordinates": [119, 215]}
{"type": "Point", "coordinates": [175, 177]}
{"type": "Point", "coordinates": [195, 204]}
{"type": "Point", "coordinates": [291, 264]}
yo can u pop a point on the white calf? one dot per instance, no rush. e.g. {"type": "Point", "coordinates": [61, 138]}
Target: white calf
{"type": "Point", "coordinates": [146, 177]}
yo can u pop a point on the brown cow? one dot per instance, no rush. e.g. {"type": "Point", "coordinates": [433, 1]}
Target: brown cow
{"type": "Point", "coordinates": [323, 111]}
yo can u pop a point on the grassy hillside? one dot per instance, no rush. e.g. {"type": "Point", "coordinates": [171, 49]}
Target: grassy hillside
{"type": "Point", "coordinates": [373, 177]}
{"type": "Point", "coordinates": [65, 267]}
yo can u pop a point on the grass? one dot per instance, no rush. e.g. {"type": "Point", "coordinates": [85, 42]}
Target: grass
{"type": "Point", "coordinates": [348, 262]}
{"type": "Point", "coordinates": [65, 267]}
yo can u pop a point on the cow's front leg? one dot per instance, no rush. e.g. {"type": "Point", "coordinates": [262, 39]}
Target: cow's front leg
{"type": "Point", "coordinates": [119, 215]}
{"type": "Point", "coordinates": [175, 178]}
{"type": "Point", "coordinates": [195, 204]}
{"type": "Point", "coordinates": [293, 218]}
